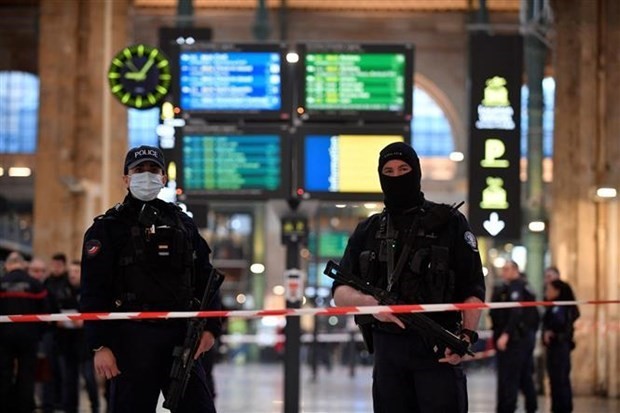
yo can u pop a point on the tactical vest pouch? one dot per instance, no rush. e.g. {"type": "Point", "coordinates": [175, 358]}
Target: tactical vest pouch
{"type": "Point", "coordinates": [368, 267]}
{"type": "Point", "coordinates": [439, 277]}
{"type": "Point", "coordinates": [156, 270]}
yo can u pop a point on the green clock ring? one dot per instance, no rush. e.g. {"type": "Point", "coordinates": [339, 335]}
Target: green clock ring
{"type": "Point", "coordinates": [139, 76]}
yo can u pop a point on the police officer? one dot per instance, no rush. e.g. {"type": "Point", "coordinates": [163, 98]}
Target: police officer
{"type": "Point", "coordinates": [19, 294]}
{"type": "Point", "coordinates": [514, 334]}
{"type": "Point", "coordinates": [145, 255]}
{"type": "Point", "coordinates": [558, 332]}
{"type": "Point", "coordinates": [425, 253]}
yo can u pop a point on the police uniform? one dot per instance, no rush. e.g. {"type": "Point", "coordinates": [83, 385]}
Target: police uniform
{"type": "Point", "coordinates": [145, 256]}
{"type": "Point", "coordinates": [19, 294]}
{"type": "Point", "coordinates": [425, 253]}
{"type": "Point", "coordinates": [559, 320]}
{"type": "Point", "coordinates": [515, 365]}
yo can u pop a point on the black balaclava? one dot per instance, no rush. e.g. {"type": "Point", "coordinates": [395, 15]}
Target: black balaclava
{"type": "Point", "coordinates": [401, 192]}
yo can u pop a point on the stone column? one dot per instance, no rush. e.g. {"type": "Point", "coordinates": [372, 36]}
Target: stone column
{"type": "Point", "coordinates": [584, 232]}
{"type": "Point", "coordinates": [82, 130]}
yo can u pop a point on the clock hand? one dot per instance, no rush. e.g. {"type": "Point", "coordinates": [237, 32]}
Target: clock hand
{"type": "Point", "coordinates": [147, 66]}
{"type": "Point", "coordinates": [134, 76]}
{"type": "Point", "coordinates": [132, 66]}
{"type": "Point", "coordinates": [140, 74]}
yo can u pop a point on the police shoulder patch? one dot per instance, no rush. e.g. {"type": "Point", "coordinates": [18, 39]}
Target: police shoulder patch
{"type": "Point", "coordinates": [470, 239]}
{"type": "Point", "coordinates": [92, 248]}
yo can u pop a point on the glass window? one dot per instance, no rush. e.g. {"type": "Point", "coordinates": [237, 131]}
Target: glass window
{"type": "Point", "coordinates": [19, 107]}
{"type": "Point", "coordinates": [548, 108]}
{"type": "Point", "coordinates": [142, 126]}
{"type": "Point", "coordinates": [431, 132]}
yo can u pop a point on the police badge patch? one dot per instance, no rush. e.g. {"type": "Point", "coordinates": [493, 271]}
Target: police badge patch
{"type": "Point", "coordinates": [92, 248]}
{"type": "Point", "coordinates": [470, 239]}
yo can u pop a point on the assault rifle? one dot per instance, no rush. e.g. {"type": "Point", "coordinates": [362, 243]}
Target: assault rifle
{"type": "Point", "coordinates": [184, 355]}
{"type": "Point", "coordinates": [419, 322]}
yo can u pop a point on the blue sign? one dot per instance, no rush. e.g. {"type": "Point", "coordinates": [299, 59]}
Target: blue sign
{"type": "Point", "coordinates": [230, 81]}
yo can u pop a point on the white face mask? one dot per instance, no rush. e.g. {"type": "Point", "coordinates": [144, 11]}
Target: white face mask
{"type": "Point", "coordinates": [145, 185]}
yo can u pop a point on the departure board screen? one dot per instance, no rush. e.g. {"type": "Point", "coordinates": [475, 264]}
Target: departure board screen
{"type": "Point", "coordinates": [233, 164]}
{"type": "Point", "coordinates": [233, 81]}
{"type": "Point", "coordinates": [225, 81]}
{"type": "Point", "coordinates": [341, 165]}
{"type": "Point", "coordinates": [373, 81]}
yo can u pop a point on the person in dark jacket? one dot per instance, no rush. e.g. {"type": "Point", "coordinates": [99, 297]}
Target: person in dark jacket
{"type": "Point", "coordinates": [145, 255]}
{"type": "Point", "coordinates": [61, 392]}
{"type": "Point", "coordinates": [558, 330]}
{"type": "Point", "coordinates": [514, 335]}
{"type": "Point", "coordinates": [19, 294]}
{"type": "Point", "coordinates": [424, 253]}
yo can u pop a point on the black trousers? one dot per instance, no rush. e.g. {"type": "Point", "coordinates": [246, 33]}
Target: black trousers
{"type": "Point", "coordinates": [407, 379]}
{"type": "Point", "coordinates": [515, 369]}
{"type": "Point", "coordinates": [18, 357]}
{"type": "Point", "coordinates": [558, 368]}
{"type": "Point", "coordinates": [144, 357]}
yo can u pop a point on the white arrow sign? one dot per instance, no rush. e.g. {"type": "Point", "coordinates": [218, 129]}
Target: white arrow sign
{"type": "Point", "coordinates": [493, 225]}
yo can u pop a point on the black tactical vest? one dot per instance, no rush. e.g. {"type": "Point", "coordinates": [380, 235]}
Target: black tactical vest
{"type": "Point", "coordinates": [426, 276]}
{"type": "Point", "coordinates": [156, 261]}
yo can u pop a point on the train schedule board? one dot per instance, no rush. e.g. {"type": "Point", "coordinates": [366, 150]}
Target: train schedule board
{"type": "Point", "coordinates": [496, 65]}
{"type": "Point", "coordinates": [340, 82]}
{"type": "Point", "coordinates": [340, 162]}
{"type": "Point", "coordinates": [227, 162]}
{"type": "Point", "coordinates": [228, 82]}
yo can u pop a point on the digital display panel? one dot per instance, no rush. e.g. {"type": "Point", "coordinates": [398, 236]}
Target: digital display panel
{"type": "Point", "coordinates": [233, 164]}
{"type": "Point", "coordinates": [373, 81]}
{"type": "Point", "coordinates": [342, 164]}
{"type": "Point", "coordinates": [235, 80]}
{"type": "Point", "coordinates": [332, 244]}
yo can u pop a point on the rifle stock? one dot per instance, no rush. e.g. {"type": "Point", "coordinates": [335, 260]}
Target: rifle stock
{"type": "Point", "coordinates": [419, 322]}
{"type": "Point", "coordinates": [184, 355]}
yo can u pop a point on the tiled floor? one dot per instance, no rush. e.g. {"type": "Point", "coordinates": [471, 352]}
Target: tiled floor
{"type": "Point", "coordinates": [259, 388]}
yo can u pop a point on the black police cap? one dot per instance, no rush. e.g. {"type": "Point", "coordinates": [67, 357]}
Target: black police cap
{"type": "Point", "coordinates": [144, 153]}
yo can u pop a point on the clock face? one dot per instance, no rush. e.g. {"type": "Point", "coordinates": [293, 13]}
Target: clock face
{"type": "Point", "coordinates": [139, 76]}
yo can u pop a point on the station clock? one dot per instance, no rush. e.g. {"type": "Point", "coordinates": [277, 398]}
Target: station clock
{"type": "Point", "coordinates": [139, 76]}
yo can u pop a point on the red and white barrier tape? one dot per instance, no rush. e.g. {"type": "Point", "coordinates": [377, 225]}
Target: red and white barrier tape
{"type": "Point", "coordinates": [407, 308]}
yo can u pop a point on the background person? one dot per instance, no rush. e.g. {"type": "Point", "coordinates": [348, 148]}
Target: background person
{"type": "Point", "coordinates": [19, 294]}
{"type": "Point", "coordinates": [558, 329]}
{"type": "Point", "coordinates": [37, 269]}
{"type": "Point", "coordinates": [78, 348]}
{"type": "Point", "coordinates": [62, 297]}
{"type": "Point", "coordinates": [514, 335]}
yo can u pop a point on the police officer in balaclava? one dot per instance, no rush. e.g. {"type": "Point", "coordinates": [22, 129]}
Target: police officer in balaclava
{"type": "Point", "coordinates": [422, 253]}
{"type": "Point", "coordinates": [400, 175]}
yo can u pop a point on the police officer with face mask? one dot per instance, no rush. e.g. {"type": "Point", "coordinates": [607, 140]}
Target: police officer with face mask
{"type": "Point", "coordinates": [145, 255]}
{"type": "Point", "coordinates": [424, 253]}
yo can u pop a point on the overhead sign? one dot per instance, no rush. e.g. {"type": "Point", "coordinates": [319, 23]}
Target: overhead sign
{"type": "Point", "coordinates": [496, 64]}
{"type": "Point", "coordinates": [294, 229]}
